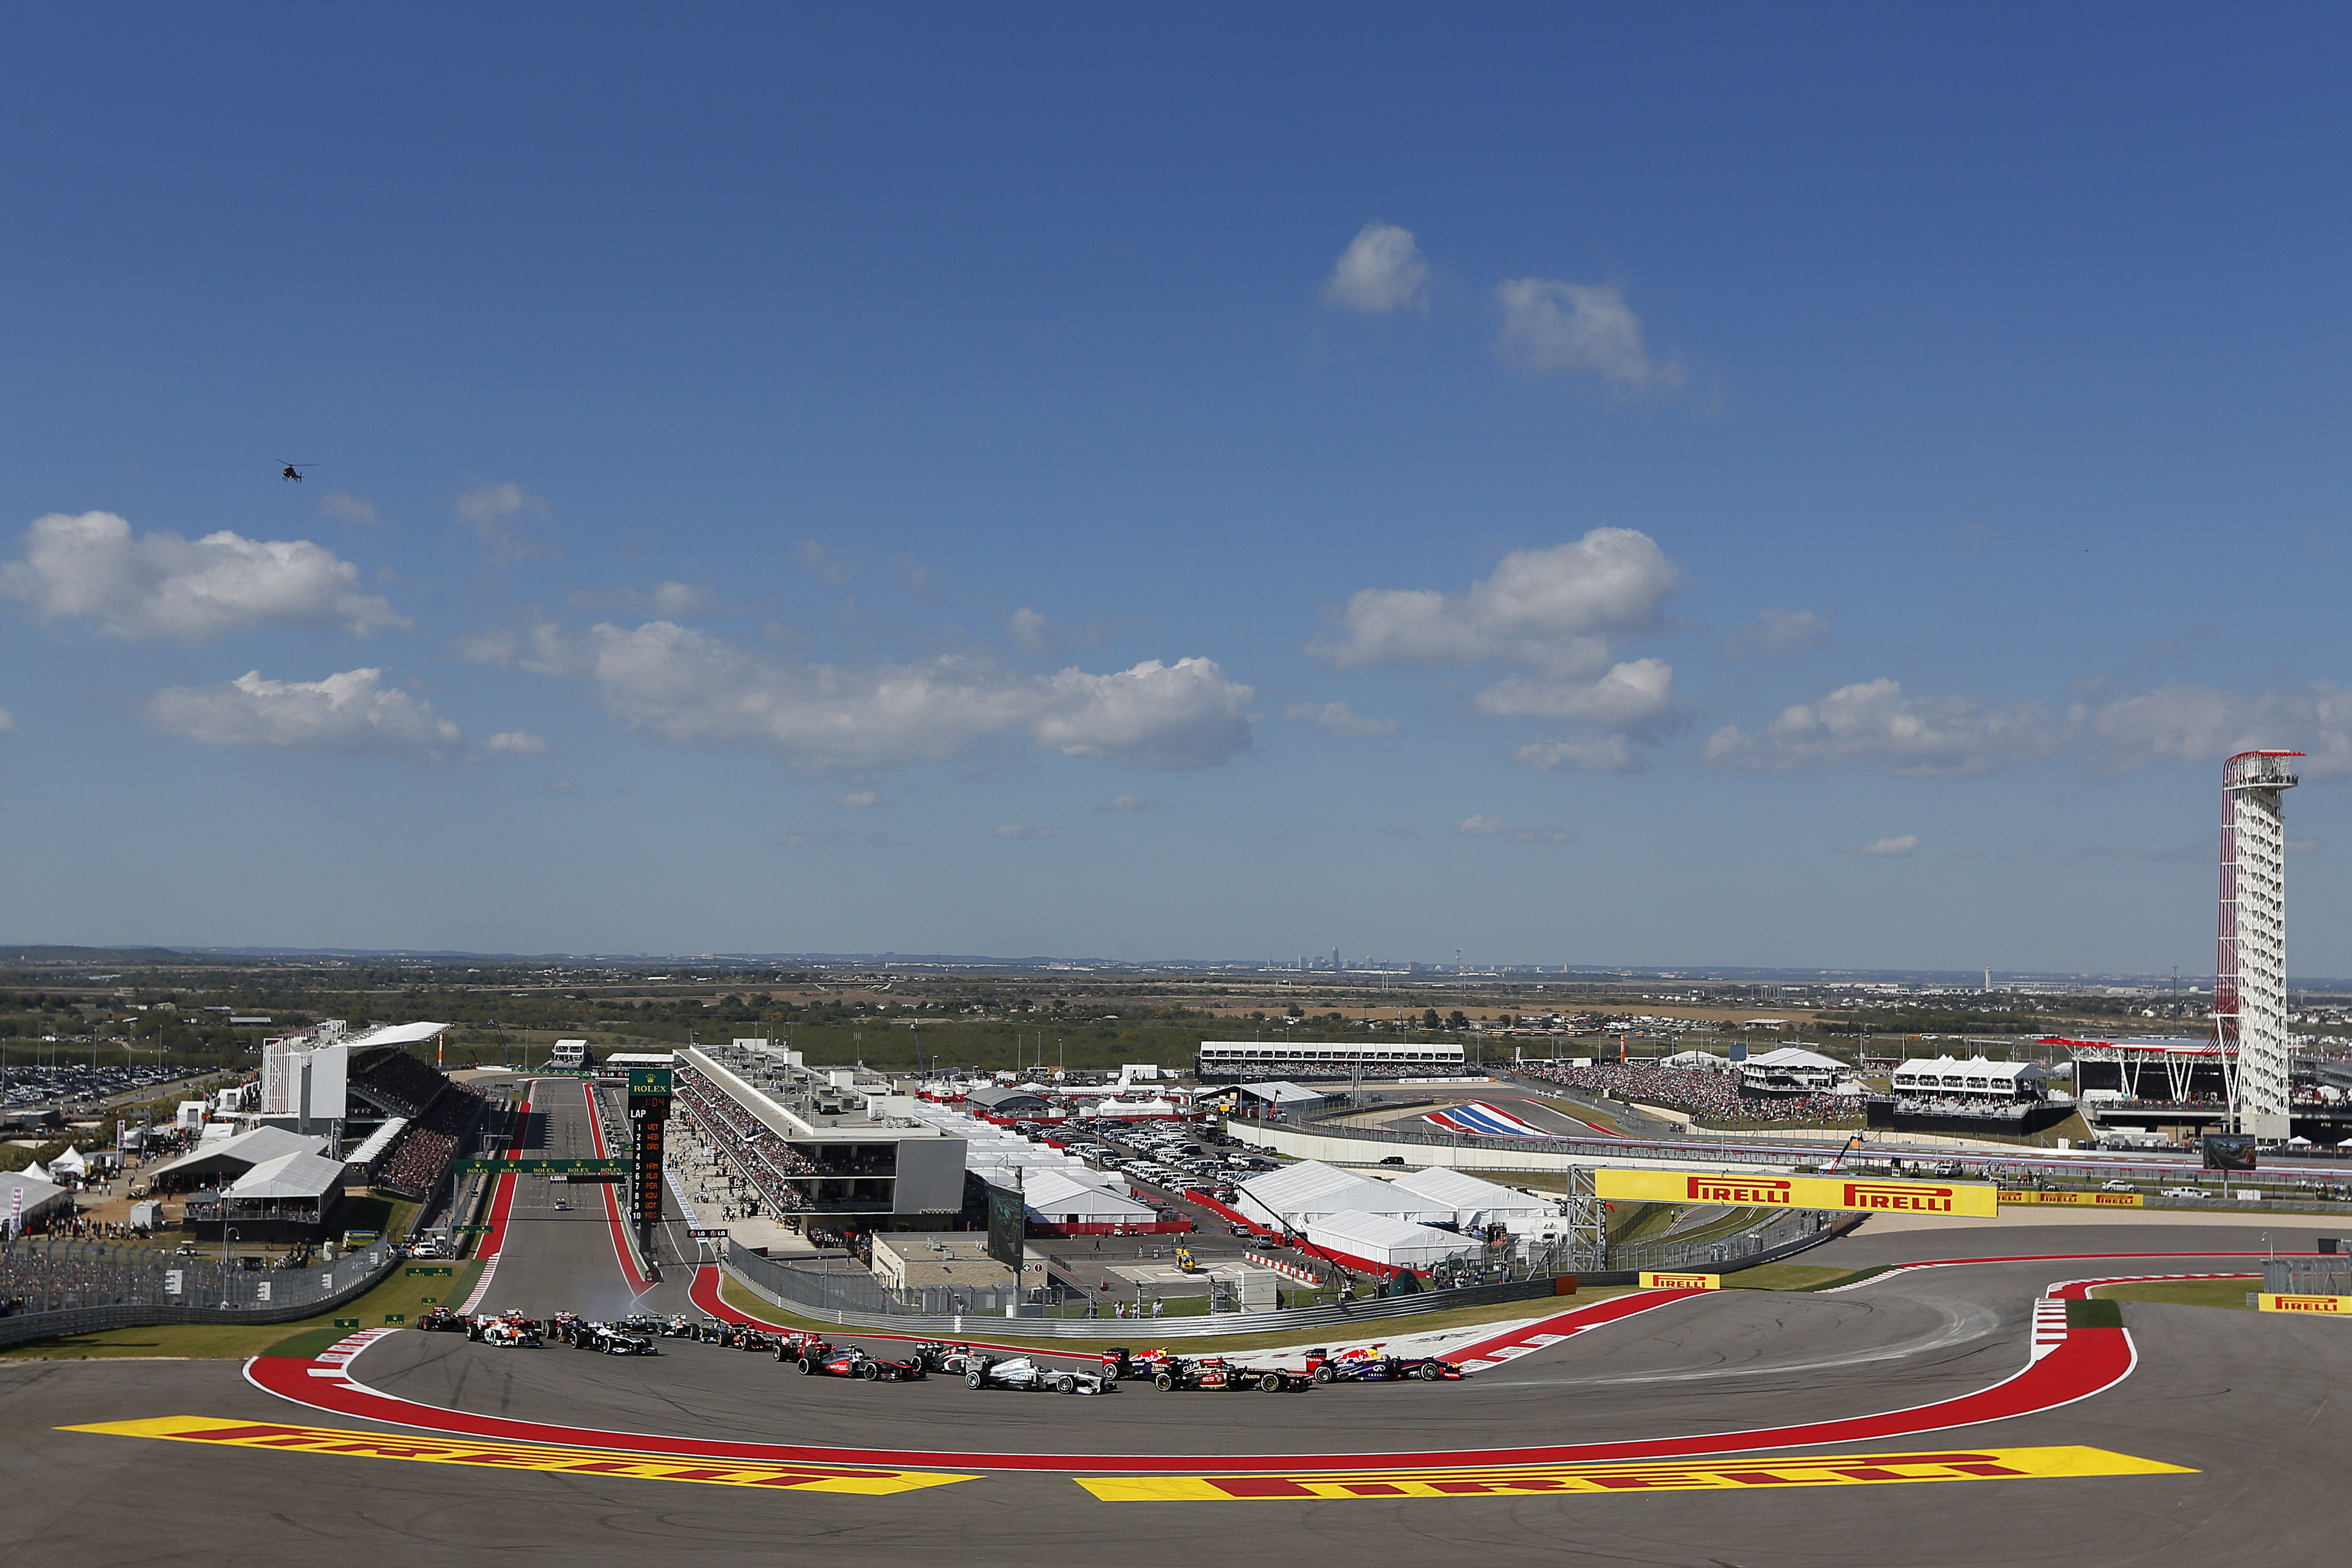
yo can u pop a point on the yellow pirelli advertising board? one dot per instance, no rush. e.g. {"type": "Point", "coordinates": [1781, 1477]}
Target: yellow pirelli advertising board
{"type": "Point", "coordinates": [1665, 1281]}
{"type": "Point", "coordinates": [2325, 1306]}
{"type": "Point", "coordinates": [2076, 1200]}
{"type": "Point", "coordinates": [1855, 1195]}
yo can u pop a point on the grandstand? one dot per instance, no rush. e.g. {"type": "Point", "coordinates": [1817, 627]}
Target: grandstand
{"type": "Point", "coordinates": [1300, 1062]}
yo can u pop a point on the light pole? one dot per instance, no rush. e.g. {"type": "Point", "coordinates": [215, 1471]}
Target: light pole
{"type": "Point", "coordinates": [228, 1236]}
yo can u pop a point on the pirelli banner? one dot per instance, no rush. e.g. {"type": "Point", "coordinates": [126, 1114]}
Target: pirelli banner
{"type": "Point", "coordinates": [2325, 1306]}
{"type": "Point", "coordinates": [1851, 1194]}
{"type": "Point", "coordinates": [2074, 1200]}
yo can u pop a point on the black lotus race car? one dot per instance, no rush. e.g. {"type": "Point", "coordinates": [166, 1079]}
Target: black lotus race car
{"type": "Point", "coordinates": [1372, 1366]}
{"type": "Point", "coordinates": [611, 1339]}
{"type": "Point", "coordinates": [854, 1363]}
{"type": "Point", "coordinates": [442, 1320]}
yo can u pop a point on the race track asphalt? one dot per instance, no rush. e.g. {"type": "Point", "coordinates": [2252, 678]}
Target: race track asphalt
{"type": "Point", "coordinates": [2245, 1401]}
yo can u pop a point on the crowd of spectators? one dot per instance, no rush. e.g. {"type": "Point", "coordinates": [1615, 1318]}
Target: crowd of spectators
{"type": "Point", "coordinates": [402, 1082]}
{"type": "Point", "coordinates": [416, 1161]}
{"type": "Point", "coordinates": [758, 1154]}
{"type": "Point", "coordinates": [1712, 1096]}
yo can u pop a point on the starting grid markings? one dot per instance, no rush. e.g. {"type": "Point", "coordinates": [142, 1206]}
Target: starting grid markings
{"type": "Point", "coordinates": [1561, 1480]}
{"type": "Point", "coordinates": [710, 1470]}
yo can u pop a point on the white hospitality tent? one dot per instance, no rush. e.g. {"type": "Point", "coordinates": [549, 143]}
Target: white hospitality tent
{"type": "Point", "coordinates": [1477, 1202]}
{"type": "Point", "coordinates": [1055, 1197]}
{"type": "Point", "coordinates": [1698, 1059]}
{"type": "Point", "coordinates": [226, 1159]}
{"type": "Point", "coordinates": [1299, 1194]}
{"type": "Point", "coordinates": [1385, 1241]}
{"type": "Point", "coordinates": [38, 1198]}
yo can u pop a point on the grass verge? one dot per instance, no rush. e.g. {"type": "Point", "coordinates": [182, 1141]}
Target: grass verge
{"type": "Point", "coordinates": [2229, 1293]}
{"type": "Point", "coordinates": [402, 1295]}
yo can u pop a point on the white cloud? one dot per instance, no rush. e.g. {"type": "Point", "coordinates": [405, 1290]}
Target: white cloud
{"type": "Point", "coordinates": [1127, 802]}
{"type": "Point", "coordinates": [1382, 270]}
{"type": "Point", "coordinates": [161, 585]}
{"type": "Point", "coordinates": [1018, 831]}
{"type": "Point", "coordinates": [2203, 723]}
{"type": "Point", "coordinates": [502, 513]}
{"type": "Point", "coordinates": [1877, 721]}
{"type": "Point", "coordinates": [516, 742]}
{"type": "Point", "coordinates": [1337, 719]}
{"type": "Point", "coordinates": [345, 507]}
{"type": "Point", "coordinates": [1479, 825]}
{"type": "Point", "coordinates": [671, 600]}
{"type": "Point", "coordinates": [828, 567]}
{"type": "Point", "coordinates": [1635, 698]}
{"type": "Point", "coordinates": [862, 797]}
{"type": "Point", "coordinates": [1908, 843]}
{"type": "Point", "coordinates": [1787, 631]}
{"type": "Point", "coordinates": [1028, 629]}
{"type": "Point", "coordinates": [1550, 609]}
{"type": "Point", "coordinates": [684, 685]}
{"type": "Point", "coordinates": [8, 720]}
{"type": "Point", "coordinates": [350, 711]}
{"type": "Point", "coordinates": [1549, 324]}
{"type": "Point", "coordinates": [1595, 755]}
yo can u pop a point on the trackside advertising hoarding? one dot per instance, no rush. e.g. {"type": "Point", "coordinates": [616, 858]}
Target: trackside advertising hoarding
{"type": "Point", "coordinates": [1665, 1281]}
{"type": "Point", "coordinates": [1853, 1194]}
{"type": "Point", "coordinates": [2326, 1306]}
{"type": "Point", "coordinates": [2076, 1200]}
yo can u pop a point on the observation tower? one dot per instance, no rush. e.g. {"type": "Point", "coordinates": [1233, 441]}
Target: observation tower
{"type": "Point", "coordinates": [2250, 972]}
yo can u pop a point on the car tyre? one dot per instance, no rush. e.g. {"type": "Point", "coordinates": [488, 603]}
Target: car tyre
{"type": "Point", "coordinates": [972, 1380]}
{"type": "Point", "coordinates": [1163, 1382]}
{"type": "Point", "coordinates": [869, 1371]}
{"type": "Point", "coordinates": [808, 1366]}
{"type": "Point", "coordinates": [1271, 1383]}
{"type": "Point", "coordinates": [1430, 1372]}
{"type": "Point", "coordinates": [1322, 1375]}
{"type": "Point", "coordinates": [1065, 1383]}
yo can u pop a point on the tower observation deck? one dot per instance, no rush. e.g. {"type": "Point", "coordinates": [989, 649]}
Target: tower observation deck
{"type": "Point", "coordinates": [2249, 969]}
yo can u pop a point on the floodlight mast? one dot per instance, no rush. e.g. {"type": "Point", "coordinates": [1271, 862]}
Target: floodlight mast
{"type": "Point", "coordinates": [2250, 966]}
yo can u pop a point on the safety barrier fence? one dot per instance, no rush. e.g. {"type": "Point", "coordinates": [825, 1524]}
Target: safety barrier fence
{"type": "Point", "coordinates": [846, 1299]}
{"type": "Point", "coordinates": [49, 1288]}
{"type": "Point", "coordinates": [2308, 1276]}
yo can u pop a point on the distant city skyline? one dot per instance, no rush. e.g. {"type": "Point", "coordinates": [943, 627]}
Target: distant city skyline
{"type": "Point", "coordinates": [1804, 490]}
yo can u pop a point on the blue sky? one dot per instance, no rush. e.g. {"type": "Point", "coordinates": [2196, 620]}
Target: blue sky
{"type": "Point", "coordinates": [1601, 486]}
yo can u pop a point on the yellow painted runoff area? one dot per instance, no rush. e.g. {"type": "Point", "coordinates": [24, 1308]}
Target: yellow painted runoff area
{"type": "Point", "coordinates": [2322, 1305]}
{"type": "Point", "coordinates": [2077, 1200]}
{"type": "Point", "coordinates": [1678, 1475]}
{"type": "Point", "coordinates": [710, 1469]}
{"type": "Point", "coordinates": [1858, 1195]}
{"type": "Point", "coordinates": [1663, 1281]}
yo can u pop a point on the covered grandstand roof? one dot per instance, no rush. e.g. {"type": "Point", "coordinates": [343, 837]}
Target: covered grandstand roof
{"type": "Point", "coordinates": [232, 1157]}
{"type": "Point", "coordinates": [397, 1035]}
{"type": "Point", "coordinates": [1794, 1057]}
{"type": "Point", "coordinates": [379, 1140]}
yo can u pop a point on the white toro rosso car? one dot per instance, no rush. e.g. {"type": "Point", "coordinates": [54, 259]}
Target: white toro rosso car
{"type": "Point", "coordinates": [982, 1371]}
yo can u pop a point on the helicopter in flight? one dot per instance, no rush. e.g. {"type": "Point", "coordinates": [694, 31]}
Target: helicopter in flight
{"type": "Point", "coordinates": [294, 471]}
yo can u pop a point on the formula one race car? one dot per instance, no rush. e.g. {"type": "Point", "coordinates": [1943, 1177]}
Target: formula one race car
{"type": "Point", "coordinates": [678, 1327]}
{"type": "Point", "coordinates": [712, 1331]}
{"type": "Point", "coordinates": [744, 1337]}
{"type": "Point", "coordinates": [1372, 1363]}
{"type": "Point", "coordinates": [611, 1339]}
{"type": "Point", "coordinates": [508, 1330]}
{"type": "Point", "coordinates": [642, 1324]}
{"type": "Point", "coordinates": [1119, 1361]}
{"type": "Point", "coordinates": [561, 1328]}
{"type": "Point", "coordinates": [1272, 1379]}
{"type": "Point", "coordinates": [987, 1372]}
{"type": "Point", "coordinates": [1195, 1372]}
{"type": "Point", "coordinates": [854, 1363]}
{"type": "Point", "coordinates": [938, 1356]}
{"type": "Point", "coordinates": [441, 1320]}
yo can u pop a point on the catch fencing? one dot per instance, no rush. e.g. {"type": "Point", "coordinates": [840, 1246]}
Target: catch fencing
{"type": "Point", "coordinates": [2308, 1276]}
{"type": "Point", "coordinates": [50, 1285]}
{"type": "Point", "coordinates": [856, 1300]}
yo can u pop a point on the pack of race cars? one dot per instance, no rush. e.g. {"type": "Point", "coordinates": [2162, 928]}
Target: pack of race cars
{"type": "Point", "coordinates": [816, 1356]}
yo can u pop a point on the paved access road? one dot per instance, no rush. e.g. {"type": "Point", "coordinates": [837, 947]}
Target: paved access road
{"type": "Point", "coordinates": [2244, 1402]}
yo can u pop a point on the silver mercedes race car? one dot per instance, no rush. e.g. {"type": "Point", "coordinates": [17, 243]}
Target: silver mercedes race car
{"type": "Point", "coordinates": [982, 1371]}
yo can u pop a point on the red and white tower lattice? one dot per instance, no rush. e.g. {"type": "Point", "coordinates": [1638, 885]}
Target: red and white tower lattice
{"type": "Point", "coordinates": [2250, 972]}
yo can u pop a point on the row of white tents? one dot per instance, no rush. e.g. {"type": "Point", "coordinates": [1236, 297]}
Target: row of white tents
{"type": "Point", "coordinates": [1414, 1222]}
